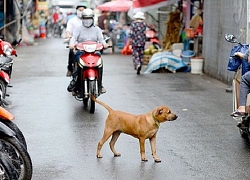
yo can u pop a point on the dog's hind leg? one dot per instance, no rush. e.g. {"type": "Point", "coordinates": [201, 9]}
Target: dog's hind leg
{"type": "Point", "coordinates": [114, 138]}
{"type": "Point", "coordinates": [107, 133]}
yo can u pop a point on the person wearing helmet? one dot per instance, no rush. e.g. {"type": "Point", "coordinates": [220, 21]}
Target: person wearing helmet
{"type": "Point", "coordinates": [72, 24]}
{"type": "Point", "coordinates": [86, 32]}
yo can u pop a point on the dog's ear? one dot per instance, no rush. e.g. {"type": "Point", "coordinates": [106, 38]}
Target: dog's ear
{"type": "Point", "coordinates": [159, 111]}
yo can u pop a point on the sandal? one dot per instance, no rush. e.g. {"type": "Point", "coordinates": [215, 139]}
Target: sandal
{"type": "Point", "coordinates": [238, 114]}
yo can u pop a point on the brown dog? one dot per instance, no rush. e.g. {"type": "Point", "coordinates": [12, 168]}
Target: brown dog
{"type": "Point", "coordinates": [143, 127]}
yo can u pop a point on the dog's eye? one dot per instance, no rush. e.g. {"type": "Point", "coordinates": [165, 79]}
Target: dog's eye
{"type": "Point", "coordinates": [169, 112]}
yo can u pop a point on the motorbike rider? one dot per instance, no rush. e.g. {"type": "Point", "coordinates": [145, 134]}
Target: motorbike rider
{"type": "Point", "coordinates": [72, 24]}
{"type": "Point", "coordinates": [86, 32]}
{"type": "Point", "coordinates": [244, 88]}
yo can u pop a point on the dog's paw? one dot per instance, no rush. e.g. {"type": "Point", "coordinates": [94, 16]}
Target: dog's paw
{"type": "Point", "coordinates": [117, 155]}
{"type": "Point", "coordinates": [157, 160]}
{"type": "Point", "coordinates": [144, 159]}
{"type": "Point", "coordinates": [99, 156]}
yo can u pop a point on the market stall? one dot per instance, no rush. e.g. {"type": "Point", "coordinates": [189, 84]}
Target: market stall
{"type": "Point", "coordinates": [181, 27]}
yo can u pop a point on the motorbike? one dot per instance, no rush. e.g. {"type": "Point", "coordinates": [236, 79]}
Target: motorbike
{"type": "Point", "coordinates": [16, 152]}
{"type": "Point", "coordinates": [239, 66]}
{"type": "Point", "coordinates": [6, 63]}
{"type": "Point", "coordinates": [152, 36]}
{"type": "Point", "coordinates": [58, 29]}
{"type": "Point", "coordinates": [89, 64]}
{"type": "Point", "coordinates": [13, 146]}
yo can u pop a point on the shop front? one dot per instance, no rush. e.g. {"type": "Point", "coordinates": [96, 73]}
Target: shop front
{"type": "Point", "coordinates": [8, 19]}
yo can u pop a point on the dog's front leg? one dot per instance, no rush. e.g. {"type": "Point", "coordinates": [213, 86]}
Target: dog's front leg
{"type": "Point", "coordinates": [153, 148]}
{"type": "Point", "coordinates": [142, 149]}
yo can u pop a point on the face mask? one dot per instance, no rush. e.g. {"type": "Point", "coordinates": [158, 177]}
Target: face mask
{"type": "Point", "coordinates": [87, 22]}
{"type": "Point", "coordinates": [79, 13]}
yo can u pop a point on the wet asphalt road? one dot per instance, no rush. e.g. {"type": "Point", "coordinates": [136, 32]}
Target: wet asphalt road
{"type": "Point", "coordinates": [203, 143]}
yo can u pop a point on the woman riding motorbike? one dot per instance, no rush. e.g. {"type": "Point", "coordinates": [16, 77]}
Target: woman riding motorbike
{"type": "Point", "coordinates": [86, 32]}
{"type": "Point", "coordinates": [244, 88]}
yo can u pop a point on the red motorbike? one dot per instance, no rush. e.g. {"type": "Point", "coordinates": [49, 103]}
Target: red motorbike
{"type": "Point", "coordinates": [152, 36]}
{"type": "Point", "coordinates": [89, 72]}
{"type": "Point", "coordinates": [6, 63]}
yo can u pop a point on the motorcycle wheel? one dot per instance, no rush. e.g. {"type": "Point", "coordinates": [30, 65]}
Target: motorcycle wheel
{"type": "Point", "coordinates": [92, 91]}
{"type": "Point", "coordinates": [18, 155]}
{"type": "Point", "coordinates": [244, 135]}
{"type": "Point", "coordinates": [14, 128]}
{"type": "Point", "coordinates": [85, 103]}
{"type": "Point", "coordinates": [2, 89]}
{"type": "Point", "coordinates": [7, 169]}
{"type": "Point", "coordinates": [113, 48]}
{"type": "Point", "coordinates": [110, 43]}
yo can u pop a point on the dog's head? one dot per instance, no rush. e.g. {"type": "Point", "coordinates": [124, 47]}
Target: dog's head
{"type": "Point", "coordinates": [163, 113]}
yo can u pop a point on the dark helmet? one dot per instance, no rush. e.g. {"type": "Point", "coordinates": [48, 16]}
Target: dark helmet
{"type": "Point", "coordinates": [81, 5]}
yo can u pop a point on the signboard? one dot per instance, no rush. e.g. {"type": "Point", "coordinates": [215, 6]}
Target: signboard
{"type": "Point", "coordinates": [42, 5]}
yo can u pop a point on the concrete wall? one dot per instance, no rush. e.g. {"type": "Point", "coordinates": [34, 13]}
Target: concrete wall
{"type": "Point", "coordinates": [221, 17]}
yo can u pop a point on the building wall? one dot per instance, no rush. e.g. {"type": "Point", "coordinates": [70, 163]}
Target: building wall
{"type": "Point", "coordinates": [221, 17]}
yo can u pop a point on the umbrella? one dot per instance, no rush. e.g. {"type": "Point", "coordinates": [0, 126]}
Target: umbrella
{"type": "Point", "coordinates": [145, 5]}
{"type": "Point", "coordinates": [116, 6]}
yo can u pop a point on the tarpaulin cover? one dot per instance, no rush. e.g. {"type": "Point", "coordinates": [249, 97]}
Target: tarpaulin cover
{"type": "Point", "coordinates": [167, 60]}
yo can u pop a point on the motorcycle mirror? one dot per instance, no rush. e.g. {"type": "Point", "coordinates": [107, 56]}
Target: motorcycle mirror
{"type": "Point", "coordinates": [19, 40]}
{"type": "Point", "coordinates": [231, 38]}
{"type": "Point", "coordinates": [16, 43]}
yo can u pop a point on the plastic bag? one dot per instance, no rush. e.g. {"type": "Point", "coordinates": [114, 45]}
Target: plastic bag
{"type": "Point", "coordinates": [127, 50]}
{"type": "Point", "coordinates": [235, 62]}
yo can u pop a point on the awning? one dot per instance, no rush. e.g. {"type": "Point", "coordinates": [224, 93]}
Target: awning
{"type": "Point", "coordinates": [145, 5]}
{"type": "Point", "coordinates": [116, 6]}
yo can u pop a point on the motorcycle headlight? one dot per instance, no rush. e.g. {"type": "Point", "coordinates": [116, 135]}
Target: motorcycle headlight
{"type": "Point", "coordinates": [89, 47]}
{"type": "Point", "coordinates": [7, 50]}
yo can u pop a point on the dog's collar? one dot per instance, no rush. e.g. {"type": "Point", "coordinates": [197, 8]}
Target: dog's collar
{"type": "Point", "coordinates": [156, 121]}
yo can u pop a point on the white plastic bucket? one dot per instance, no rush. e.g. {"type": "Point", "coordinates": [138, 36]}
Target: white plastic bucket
{"type": "Point", "coordinates": [196, 65]}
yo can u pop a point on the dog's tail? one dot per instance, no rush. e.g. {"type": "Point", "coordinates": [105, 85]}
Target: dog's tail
{"type": "Point", "coordinates": [101, 103]}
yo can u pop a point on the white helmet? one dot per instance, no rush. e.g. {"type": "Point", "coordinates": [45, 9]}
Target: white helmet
{"type": "Point", "coordinates": [81, 5]}
{"type": "Point", "coordinates": [88, 13]}
{"type": "Point", "coordinates": [88, 18]}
